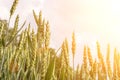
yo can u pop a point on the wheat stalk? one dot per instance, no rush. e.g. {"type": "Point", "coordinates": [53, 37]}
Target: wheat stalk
{"type": "Point", "coordinates": [34, 47]}
{"type": "Point", "coordinates": [108, 63]}
{"type": "Point", "coordinates": [47, 36]}
{"type": "Point", "coordinates": [73, 50]}
{"type": "Point", "coordinates": [90, 57]}
{"type": "Point", "coordinates": [85, 58]}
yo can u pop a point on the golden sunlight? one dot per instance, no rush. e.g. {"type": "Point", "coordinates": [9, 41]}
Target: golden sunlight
{"type": "Point", "coordinates": [99, 20]}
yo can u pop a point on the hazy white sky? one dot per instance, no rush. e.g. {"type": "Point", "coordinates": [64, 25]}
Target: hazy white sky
{"type": "Point", "coordinates": [91, 20]}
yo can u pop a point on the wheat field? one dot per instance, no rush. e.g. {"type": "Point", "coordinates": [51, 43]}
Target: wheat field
{"type": "Point", "coordinates": [26, 55]}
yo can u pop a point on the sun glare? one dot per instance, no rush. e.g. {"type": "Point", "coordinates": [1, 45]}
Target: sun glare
{"type": "Point", "coordinates": [99, 20]}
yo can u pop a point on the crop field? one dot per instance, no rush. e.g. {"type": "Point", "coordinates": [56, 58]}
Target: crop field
{"type": "Point", "coordinates": [26, 54]}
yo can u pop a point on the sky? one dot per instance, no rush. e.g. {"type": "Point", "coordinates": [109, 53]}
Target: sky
{"type": "Point", "coordinates": [92, 20]}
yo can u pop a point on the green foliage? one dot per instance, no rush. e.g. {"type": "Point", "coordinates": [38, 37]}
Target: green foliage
{"type": "Point", "coordinates": [50, 70]}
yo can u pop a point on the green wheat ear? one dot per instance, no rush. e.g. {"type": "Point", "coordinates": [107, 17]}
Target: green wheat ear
{"type": "Point", "coordinates": [35, 17]}
{"type": "Point", "coordinates": [13, 8]}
